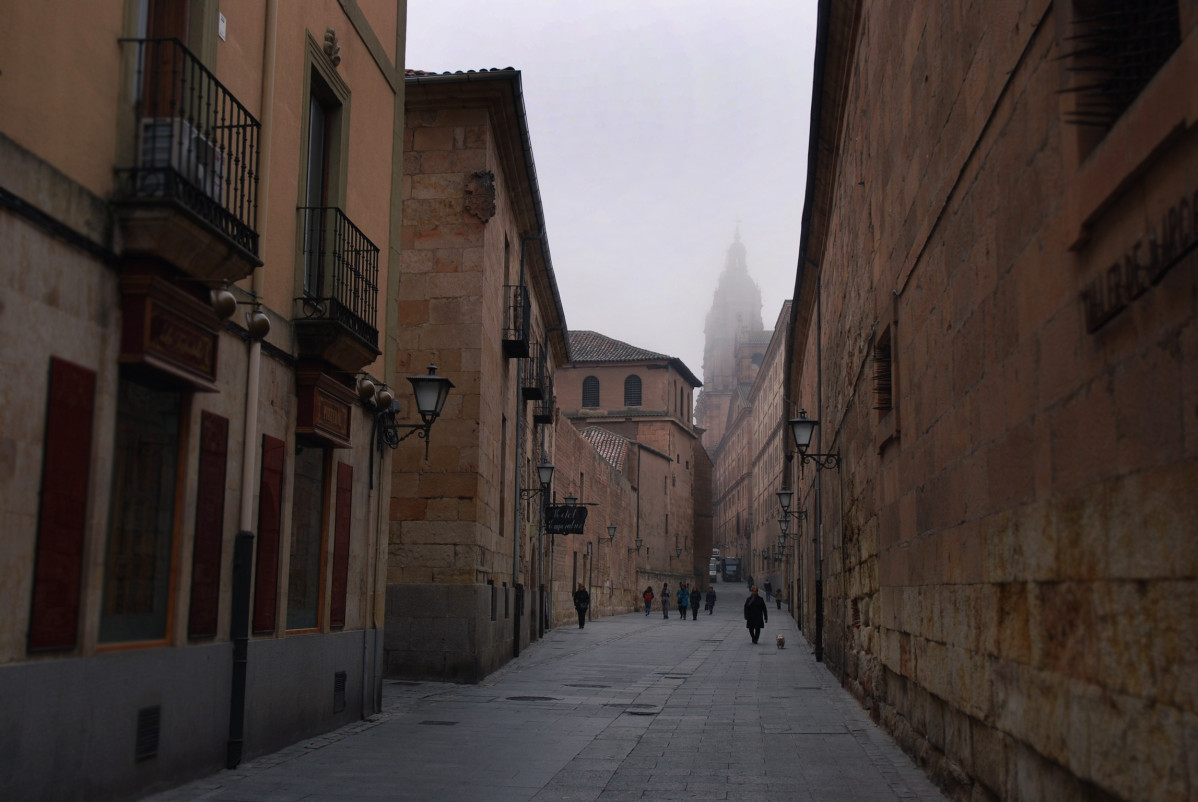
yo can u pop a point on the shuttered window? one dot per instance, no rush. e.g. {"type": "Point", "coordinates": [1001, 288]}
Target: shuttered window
{"type": "Point", "coordinates": [62, 515]}
{"type": "Point", "coordinates": [632, 391]}
{"type": "Point", "coordinates": [266, 571]}
{"type": "Point", "coordinates": [590, 392]}
{"type": "Point", "coordinates": [209, 527]}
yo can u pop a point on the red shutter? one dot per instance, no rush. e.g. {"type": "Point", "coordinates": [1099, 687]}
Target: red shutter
{"type": "Point", "coordinates": [345, 486]}
{"type": "Point", "coordinates": [210, 520]}
{"type": "Point", "coordinates": [62, 517]}
{"type": "Point", "coordinates": [270, 508]}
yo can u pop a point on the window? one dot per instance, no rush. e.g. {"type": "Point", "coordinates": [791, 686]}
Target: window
{"type": "Point", "coordinates": [883, 376]}
{"type": "Point", "coordinates": [632, 391]}
{"type": "Point", "coordinates": [322, 170]}
{"type": "Point", "coordinates": [1112, 49]}
{"type": "Point", "coordinates": [590, 392]}
{"type": "Point", "coordinates": [307, 538]}
{"type": "Point", "coordinates": [137, 560]}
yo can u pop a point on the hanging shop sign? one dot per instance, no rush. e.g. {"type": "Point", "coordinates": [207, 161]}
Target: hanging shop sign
{"type": "Point", "coordinates": [565, 519]}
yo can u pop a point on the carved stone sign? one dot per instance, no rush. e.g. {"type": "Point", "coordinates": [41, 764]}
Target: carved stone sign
{"type": "Point", "coordinates": [480, 194]}
{"type": "Point", "coordinates": [1143, 264]}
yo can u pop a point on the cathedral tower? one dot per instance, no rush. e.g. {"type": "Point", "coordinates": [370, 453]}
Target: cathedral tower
{"type": "Point", "coordinates": [735, 309]}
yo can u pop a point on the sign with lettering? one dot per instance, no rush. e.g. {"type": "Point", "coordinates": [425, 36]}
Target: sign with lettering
{"type": "Point", "coordinates": [1142, 264]}
{"type": "Point", "coordinates": [564, 519]}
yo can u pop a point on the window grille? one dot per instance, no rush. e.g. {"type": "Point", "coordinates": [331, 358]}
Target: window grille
{"type": "Point", "coordinates": [590, 392]}
{"type": "Point", "coordinates": [632, 391]}
{"type": "Point", "coordinates": [1113, 49]}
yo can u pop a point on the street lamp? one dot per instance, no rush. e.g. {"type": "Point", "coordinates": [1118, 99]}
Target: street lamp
{"type": "Point", "coordinates": [430, 390]}
{"type": "Point", "coordinates": [611, 534]}
{"type": "Point", "coordinates": [639, 543]}
{"type": "Point", "coordinates": [802, 428]}
{"type": "Point", "coordinates": [545, 478]}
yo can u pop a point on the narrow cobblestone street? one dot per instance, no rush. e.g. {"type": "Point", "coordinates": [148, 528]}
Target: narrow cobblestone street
{"type": "Point", "coordinates": [631, 707]}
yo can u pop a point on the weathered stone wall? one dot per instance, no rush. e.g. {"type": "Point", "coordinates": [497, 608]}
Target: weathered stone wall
{"type": "Point", "coordinates": [1008, 553]}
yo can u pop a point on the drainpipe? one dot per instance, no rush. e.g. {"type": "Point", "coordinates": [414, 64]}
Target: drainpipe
{"type": "Point", "coordinates": [243, 545]}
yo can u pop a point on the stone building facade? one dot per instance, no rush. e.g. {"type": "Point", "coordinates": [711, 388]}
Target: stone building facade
{"type": "Point", "coordinates": [646, 398]}
{"type": "Point", "coordinates": [198, 241]}
{"type": "Point", "coordinates": [996, 325]}
{"type": "Point", "coordinates": [478, 297]}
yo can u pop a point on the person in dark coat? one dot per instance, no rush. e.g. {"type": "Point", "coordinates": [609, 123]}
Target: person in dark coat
{"type": "Point", "coordinates": [684, 599]}
{"type": "Point", "coordinates": [582, 603]}
{"type": "Point", "coordinates": [769, 590]}
{"type": "Point", "coordinates": [696, 597]}
{"type": "Point", "coordinates": [710, 600]}
{"type": "Point", "coordinates": [666, 601]}
{"type": "Point", "coordinates": [756, 613]}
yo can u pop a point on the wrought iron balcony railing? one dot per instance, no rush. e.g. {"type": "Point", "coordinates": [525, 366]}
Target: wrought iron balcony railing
{"type": "Point", "coordinates": [534, 386]}
{"type": "Point", "coordinates": [196, 144]}
{"type": "Point", "coordinates": [517, 310]}
{"type": "Point", "coordinates": [341, 273]}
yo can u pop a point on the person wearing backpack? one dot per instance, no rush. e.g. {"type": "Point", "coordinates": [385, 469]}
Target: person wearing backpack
{"type": "Point", "coordinates": [648, 597]}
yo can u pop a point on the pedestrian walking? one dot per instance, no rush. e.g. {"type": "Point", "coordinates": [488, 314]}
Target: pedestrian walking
{"type": "Point", "coordinates": [710, 600]}
{"type": "Point", "coordinates": [648, 597]}
{"type": "Point", "coordinates": [778, 597]}
{"type": "Point", "coordinates": [769, 590]}
{"type": "Point", "coordinates": [684, 599]}
{"type": "Point", "coordinates": [756, 613]}
{"type": "Point", "coordinates": [665, 600]}
{"type": "Point", "coordinates": [696, 597]}
{"type": "Point", "coordinates": [582, 603]}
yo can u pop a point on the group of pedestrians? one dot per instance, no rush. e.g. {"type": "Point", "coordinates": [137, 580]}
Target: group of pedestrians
{"type": "Point", "coordinates": [686, 598]}
{"type": "Point", "coordinates": [756, 611]}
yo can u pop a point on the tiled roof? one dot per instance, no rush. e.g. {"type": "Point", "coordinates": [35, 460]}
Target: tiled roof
{"type": "Point", "coordinates": [609, 445]}
{"type": "Point", "coordinates": [426, 73]}
{"type": "Point", "coordinates": [591, 346]}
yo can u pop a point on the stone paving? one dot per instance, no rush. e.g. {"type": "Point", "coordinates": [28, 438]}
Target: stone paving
{"type": "Point", "coordinates": [631, 707]}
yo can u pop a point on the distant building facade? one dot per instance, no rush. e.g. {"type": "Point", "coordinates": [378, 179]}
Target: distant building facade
{"type": "Point", "coordinates": [748, 464]}
{"type": "Point", "coordinates": [647, 399]}
{"type": "Point", "coordinates": [994, 323]}
{"type": "Point", "coordinates": [198, 243]}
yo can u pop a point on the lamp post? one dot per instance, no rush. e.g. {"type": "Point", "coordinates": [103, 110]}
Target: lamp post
{"type": "Point", "coordinates": [430, 390]}
{"type": "Point", "coordinates": [802, 429]}
{"type": "Point", "coordinates": [545, 478]}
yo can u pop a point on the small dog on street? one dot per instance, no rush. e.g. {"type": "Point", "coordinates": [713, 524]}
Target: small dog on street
{"type": "Point", "coordinates": [781, 641]}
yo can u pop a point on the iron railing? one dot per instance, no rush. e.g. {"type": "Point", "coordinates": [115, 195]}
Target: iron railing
{"type": "Point", "coordinates": [196, 144]}
{"type": "Point", "coordinates": [517, 310]}
{"type": "Point", "coordinates": [341, 272]}
{"type": "Point", "coordinates": [534, 386]}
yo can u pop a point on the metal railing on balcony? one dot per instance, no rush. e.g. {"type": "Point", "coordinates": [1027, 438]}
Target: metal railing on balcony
{"type": "Point", "coordinates": [196, 144]}
{"type": "Point", "coordinates": [341, 273]}
{"type": "Point", "coordinates": [534, 386]}
{"type": "Point", "coordinates": [517, 310]}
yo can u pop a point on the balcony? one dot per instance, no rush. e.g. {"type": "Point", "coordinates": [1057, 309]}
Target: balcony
{"type": "Point", "coordinates": [335, 318]}
{"type": "Point", "coordinates": [534, 384]}
{"type": "Point", "coordinates": [517, 310]}
{"type": "Point", "coordinates": [542, 413]}
{"type": "Point", "coordinates": [191, 195]}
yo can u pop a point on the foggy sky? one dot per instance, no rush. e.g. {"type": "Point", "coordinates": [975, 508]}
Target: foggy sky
{"type": "Point", "coordinates": [656, 126]}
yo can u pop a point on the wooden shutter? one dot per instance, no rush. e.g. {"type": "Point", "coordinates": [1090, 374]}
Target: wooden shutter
{"type": "Point", "coordinates": [209, 530]}
{"type": "Point", "coordinates": [62, 517]}
{"type": "Point", "coordinates": [345, 486]}
{"type": "Point", "coordinates": [270, 512]}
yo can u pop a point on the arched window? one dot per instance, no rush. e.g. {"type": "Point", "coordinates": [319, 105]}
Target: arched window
{"type": "Point", "coordinates": [590, 392]}
{"type": "Point", "coordinates": [632, 391]}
